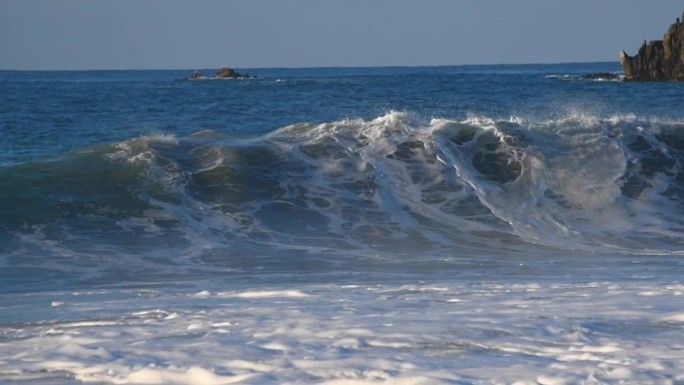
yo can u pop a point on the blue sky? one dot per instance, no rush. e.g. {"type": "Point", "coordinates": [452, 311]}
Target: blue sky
{"type": "Point", "coordinates": [184, 34]}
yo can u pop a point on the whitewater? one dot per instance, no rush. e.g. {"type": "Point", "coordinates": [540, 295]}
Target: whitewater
{"type": "Point", "coordinates": [431, 225]}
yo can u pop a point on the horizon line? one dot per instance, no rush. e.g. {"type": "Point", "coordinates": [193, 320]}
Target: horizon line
{"type": "Point", "coordinates": [311, 67]}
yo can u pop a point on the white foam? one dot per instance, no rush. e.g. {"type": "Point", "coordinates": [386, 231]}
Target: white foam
{"type": "Point", "coordinates": [191, 376]}
{"type": "Point", "coordinates": [597, 349]}
{"type": "Point", "coordinates": [161, 138]}
{"type": "Point", "coordinates": [531, 332]}
{"type": "Point", "coordinates": [677, 317]}
{"type": "Point", "coordinates": [391, 381]}
{"type": "Point", "coordinates": [87, 324]}
{"type": "Point", "coordinates": [267, 294]}
{"type": "Point", "coordinates": [549, 380]}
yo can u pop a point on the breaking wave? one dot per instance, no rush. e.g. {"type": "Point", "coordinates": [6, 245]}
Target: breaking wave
{"type": "Point", "coordinates": [396, 184]}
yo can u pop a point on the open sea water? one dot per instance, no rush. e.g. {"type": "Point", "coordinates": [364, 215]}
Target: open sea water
{"type": "Point", "coordinates": [513, 224]}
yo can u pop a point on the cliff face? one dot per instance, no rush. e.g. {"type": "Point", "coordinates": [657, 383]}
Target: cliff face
{"type": "Point", "coordinates": [659, 60]}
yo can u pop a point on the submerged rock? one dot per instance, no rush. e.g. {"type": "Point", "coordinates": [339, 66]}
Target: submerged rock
{"type": "Point", "coordinates": [602, 76]}
{"type": "Point", "coordinates": [657, 60]}
{"type": "Point", "coordinates": [195, 75]}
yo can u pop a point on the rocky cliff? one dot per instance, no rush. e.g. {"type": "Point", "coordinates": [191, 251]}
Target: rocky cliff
{"type": "Point", "coordinates": [658, 60]}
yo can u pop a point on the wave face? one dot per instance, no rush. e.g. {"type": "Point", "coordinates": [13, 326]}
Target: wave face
{"type": "Point", "coordinates": [395, 184]}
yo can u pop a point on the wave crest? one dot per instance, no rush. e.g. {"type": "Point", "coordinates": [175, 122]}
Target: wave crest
{"type": "Point", "coordinates": [396, 183]}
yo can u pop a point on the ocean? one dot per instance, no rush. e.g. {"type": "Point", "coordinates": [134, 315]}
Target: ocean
{"type": "Point", "coordinates": [502, 224]}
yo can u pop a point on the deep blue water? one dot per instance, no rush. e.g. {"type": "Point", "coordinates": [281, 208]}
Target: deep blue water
{"type": "Point", "coordinates": [49, 113]}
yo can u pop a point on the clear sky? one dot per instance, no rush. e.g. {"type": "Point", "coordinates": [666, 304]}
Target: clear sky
{"type": "Point", "coordinates": [193, 34]}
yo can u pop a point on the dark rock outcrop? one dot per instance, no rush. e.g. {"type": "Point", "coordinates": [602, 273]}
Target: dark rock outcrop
{"type": "Point", "coordinates": [657, 60]}
{"type": "Point", "coordinates": [195, 75]}
{"type": "Point", "coordinates": [222, 73]}
{"type": "Point", "coordinates": [602, 76]}
{"type": "Point", "coordinates": [229, 73]}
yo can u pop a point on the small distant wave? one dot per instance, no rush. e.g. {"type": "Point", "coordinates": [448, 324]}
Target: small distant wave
{"type": "Point", "coordinates": [597, 77]}
{"type": "Point", "coordinates": [556, 76]}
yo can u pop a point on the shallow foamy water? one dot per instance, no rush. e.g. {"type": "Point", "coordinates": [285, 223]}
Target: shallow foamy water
{"type": "Point", "coordinates": [408, 333]}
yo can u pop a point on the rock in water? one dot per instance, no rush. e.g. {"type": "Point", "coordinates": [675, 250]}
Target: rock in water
{"type": "Point", "coordinates": [226, 72]}
{"type": "Point", "coordinates": [658, 60]}
{"type": "Point", "coordinates": [602, 76]}
{"type": "Point", "coordinates": [223, 72]}
{"type": "Point", "coordinates": [195, 75]}
{"type": "Point", "coordinates": [230, 73]}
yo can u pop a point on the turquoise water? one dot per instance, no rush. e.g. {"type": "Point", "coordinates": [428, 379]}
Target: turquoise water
{"type": "Point", "coordinates": [341, 225]}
